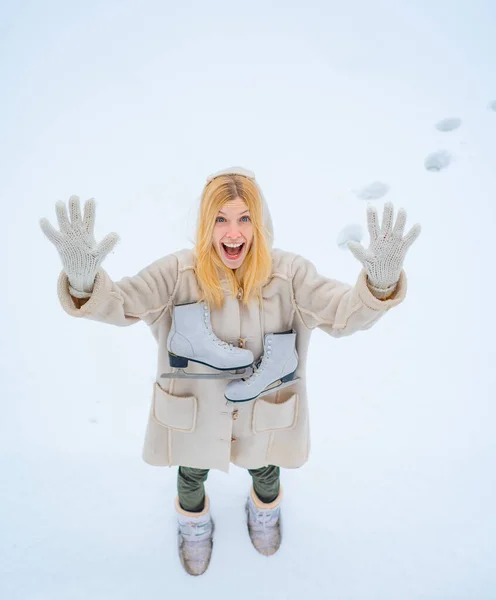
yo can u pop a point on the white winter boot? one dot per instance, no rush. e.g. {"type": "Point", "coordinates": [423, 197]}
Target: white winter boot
{"type": "Point", "coordinates": [191, 338]}
{"type": "Point", "coordinates": [275, 370]}
{"type": "Point", "coordinates": [195, 538]}
{"type": "Point", "coordinates": [264, 523]}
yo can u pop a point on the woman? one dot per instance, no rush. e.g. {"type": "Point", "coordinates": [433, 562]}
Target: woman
{"type": "Point", "coordinates": [249, 293]}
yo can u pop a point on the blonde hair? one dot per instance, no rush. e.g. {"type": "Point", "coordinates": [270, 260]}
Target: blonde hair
{"type": "Point", "coordinates": [256, 267]}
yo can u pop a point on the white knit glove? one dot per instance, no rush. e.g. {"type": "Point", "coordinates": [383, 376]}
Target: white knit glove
{"type": "Point", "coordinates": [81, 255]}
{"type": "Point", "coordinates": [383, 261]}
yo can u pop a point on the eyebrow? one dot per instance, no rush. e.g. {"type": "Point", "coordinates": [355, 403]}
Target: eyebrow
{"type": "Point", "coordinates": [223, 213]}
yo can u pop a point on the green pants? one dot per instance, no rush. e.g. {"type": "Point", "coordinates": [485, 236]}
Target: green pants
{"type": "Point", "coordinates": [191, 488]}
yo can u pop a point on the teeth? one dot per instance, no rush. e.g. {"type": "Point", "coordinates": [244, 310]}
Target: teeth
{"type": "Point", "coordinates": [234, 245]}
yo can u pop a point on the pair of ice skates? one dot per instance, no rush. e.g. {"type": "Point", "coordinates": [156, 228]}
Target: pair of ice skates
{"type": "Point", "coordinates": [191, 339]}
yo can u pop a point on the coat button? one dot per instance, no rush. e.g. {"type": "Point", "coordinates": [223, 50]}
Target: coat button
{"type": "Point", "coordinates": [235, 414]}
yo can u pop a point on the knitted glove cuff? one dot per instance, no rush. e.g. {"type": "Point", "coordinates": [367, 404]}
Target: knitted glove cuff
{"type": "Point", "coordinates": [381, 293]}
{"type": "Point", "coordinates": [81, 284]}
{"type": "Point", "coordinates": [77, 293]}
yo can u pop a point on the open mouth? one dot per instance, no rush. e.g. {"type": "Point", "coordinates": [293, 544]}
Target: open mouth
{"type": "Point", "coordinates": [233, 253]}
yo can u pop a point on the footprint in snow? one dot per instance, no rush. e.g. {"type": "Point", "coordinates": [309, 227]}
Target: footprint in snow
{"type": "Point", "coordinates": [437, 161]}
{"type": "Point", "coordinates": [450, 124]}
{"type": "Point", "coordinates": [373, 191]}
{"type": "Point", "coordinates": [349, 233]}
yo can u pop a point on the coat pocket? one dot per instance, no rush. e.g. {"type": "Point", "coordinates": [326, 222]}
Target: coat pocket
{"type": "Point", "coordinates": [176, 412]}
{"type": "Point", "coordinates": [268, 416]}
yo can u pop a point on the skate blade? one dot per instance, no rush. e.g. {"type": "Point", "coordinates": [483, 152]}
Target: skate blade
{"type": "Point", "coordinates": [272, 388]}
{"type": "Point", "coordinates": [182, 374]}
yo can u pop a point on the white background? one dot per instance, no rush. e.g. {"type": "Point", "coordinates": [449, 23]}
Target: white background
{"type": "Point", "coordinates": [135, 103]}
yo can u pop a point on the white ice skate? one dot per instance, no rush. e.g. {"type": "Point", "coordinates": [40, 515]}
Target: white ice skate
{"type": "Point", "coordinates": [273, 371]}
{"type": "Point", "coordinates": [191, 339]}
{"type": "Point", "coordinates": [195, 538]}
{"type": "Point", "coordinates": [264, 523]}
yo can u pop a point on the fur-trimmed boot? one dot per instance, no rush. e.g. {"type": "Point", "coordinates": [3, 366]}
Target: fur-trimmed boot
{"type": "Point", "coordinates": [264, 523]}
{"type": "Point", "coordinates": [195, 538]}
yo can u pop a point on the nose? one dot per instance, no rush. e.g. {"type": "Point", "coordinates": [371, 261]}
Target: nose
{"type": "Point", "coordinates": [233, 232]}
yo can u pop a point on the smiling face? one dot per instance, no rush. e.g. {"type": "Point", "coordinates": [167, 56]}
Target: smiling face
{"type": "Point", "coordinates": [233, 233]}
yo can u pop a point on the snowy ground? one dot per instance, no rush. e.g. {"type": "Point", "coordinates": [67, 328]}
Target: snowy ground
{"type": "Point", "coordinates": [330, 103]}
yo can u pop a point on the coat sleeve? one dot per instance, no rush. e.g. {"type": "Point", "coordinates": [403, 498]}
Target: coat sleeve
{"type": "Point", "coordinates": [337, 308]}
{"type": "Point", "coordinates": [142, 297]}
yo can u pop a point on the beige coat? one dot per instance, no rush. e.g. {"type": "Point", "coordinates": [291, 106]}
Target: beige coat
{"type": "Point", "coordinates": [190, 422]}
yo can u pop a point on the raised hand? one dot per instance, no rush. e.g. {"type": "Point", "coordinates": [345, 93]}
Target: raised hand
{"type": "Point", "coordinates": [383, 260]}
{"type": "Point", "coordinates": [75, 242]}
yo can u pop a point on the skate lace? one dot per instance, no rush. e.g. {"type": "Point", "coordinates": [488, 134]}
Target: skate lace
{"type": "Point", "coordinates": [259, 366]}
{"type": "Point", "coordinates": [210, 333]}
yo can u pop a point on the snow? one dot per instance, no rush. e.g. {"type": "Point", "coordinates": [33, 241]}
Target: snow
{"type": "Point", "coordinates": [449, 124]}
{"type": "Point", "coordinates": [352, 232]}
{"type": "Point", "coordinates": [437, 161]}
{"type": "Point", "coordinates": [373, 191]}
{"type": "Point", "coordinates": [135, 104]}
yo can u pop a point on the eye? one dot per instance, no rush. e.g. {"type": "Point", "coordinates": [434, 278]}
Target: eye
{"type": "Point", "coordinates": [219, 219]}
{"type": "Point", "coordinates": [246, 217]}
